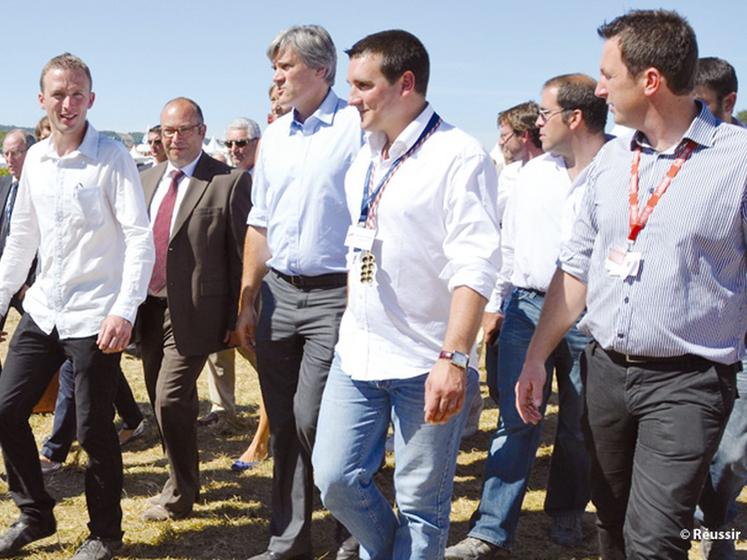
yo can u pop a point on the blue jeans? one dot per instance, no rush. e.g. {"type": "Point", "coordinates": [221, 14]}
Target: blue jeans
{"type": "Point", "coordinates": [514, 444]}
{"type": "Point", "coordinates": [349, 449]}
{"type": "Point", "coordinates": [728, 471]}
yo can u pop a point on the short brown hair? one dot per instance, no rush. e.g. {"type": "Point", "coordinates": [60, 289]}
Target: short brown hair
{"type": "Point", "coordinates": [660, 39]}
{"type": "Point", "coordinates": [576, 91]}
{"type": "Point", "coordinates": [66, 61]}
{"type": "Point", "coordinates": [522, 118]}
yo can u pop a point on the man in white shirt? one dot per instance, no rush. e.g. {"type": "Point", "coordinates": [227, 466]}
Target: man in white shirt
{"type": "Point", "coordinates": [571, 123]}
{"type": "Point", "coordinates": [294, 256]}
{"type": "Point", "coordinates": [80, 204]}
{"type": "Point", "coordinates": [423, 259]}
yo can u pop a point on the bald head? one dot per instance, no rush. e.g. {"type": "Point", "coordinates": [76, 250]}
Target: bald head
{"type": "Point", "coordinates": [14, 151]}
{"type": "Point", "coordinates": [182, 131]}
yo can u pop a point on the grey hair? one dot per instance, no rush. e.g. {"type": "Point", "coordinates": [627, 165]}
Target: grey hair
{"type": "Point", "coordinates": [23, 134]}
{"type": "Point", "coordinates": [312, 43]}
{"type": "Point", "coordinates": [242, 123]}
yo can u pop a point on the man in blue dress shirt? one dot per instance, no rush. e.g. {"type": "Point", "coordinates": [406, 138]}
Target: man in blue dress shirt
{"type": "Point", "coordinates": [664, 281]}
{"type": "Point", "coordinates": [294, 262]}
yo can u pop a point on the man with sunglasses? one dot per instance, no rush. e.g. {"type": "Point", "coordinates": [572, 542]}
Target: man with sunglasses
{"type": "Point", "coordinates": [155, 143]}
{"type": "Point", "coordinates": [539, 214]}
{"type": "Point", "coordinates": [198, 208]}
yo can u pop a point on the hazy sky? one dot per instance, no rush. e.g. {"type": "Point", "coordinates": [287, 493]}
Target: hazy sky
{"type": "Point", "coordinates": [485, 55]}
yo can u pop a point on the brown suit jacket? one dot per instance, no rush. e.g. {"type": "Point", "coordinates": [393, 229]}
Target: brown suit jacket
{"type": "Point", "coordinates": [203, 266]}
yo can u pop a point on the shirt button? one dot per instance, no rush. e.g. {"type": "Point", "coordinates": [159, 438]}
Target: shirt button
{"type": "Point", "coordinates": [627, 299]}
{"type": "Point", "coordinates": [651, 191]}
{"type": "Point", "coordinates": [620, 335]}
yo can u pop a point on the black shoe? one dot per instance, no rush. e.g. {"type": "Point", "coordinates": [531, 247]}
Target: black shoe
{"type": "Point", "coordinates": [95, 548]}
{"type": "Point", "coordinates": [23, 532]}
{"type": "Point", "coordinates": [270, 555]}
{"type": "Point", "coordinates": [348, 549]}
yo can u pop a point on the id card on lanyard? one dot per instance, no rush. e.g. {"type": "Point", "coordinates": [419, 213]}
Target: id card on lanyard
{"type": "Point", "coordinates": [622, 262]}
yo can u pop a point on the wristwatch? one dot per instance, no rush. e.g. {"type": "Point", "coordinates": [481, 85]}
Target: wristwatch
{"type": "Point", "coordinates": [459, 359]}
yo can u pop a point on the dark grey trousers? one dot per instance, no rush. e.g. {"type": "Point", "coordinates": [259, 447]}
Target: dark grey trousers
{"type": "Point", "coordinates": [296, 335]}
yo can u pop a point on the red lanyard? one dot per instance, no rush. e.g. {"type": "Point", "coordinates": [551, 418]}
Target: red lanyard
{"type": "Point", "coordinates": [639, 220]}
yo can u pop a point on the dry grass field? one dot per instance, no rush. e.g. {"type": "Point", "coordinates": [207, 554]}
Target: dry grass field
{"type": "Point", "coordinates": [231, 520]}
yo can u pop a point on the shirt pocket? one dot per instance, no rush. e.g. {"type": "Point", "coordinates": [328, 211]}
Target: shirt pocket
{"type": "Point", "coordinates": [87, 205]}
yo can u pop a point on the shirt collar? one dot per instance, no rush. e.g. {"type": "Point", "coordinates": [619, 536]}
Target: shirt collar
{"type": "Point", "coordinates": [88, 148]}
{"type": "Point", "coordinates": [188, 170]}
{"type": "Point", "coordinates": [324, 114]}
{"type": "Point", "coordinates": [701, 130]}
{"type": "Point", "coordinates": [406, 138]}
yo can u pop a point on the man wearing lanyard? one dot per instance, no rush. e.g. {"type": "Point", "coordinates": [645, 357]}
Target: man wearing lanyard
{"type": "Point", "coordinates": [658, 258]}
{"type": "Point", "coordinates": [295, 256]}
{"type": "Point", "coordinates": [423, 259]}
{"type": "Point", "coordinates": [539, 215]}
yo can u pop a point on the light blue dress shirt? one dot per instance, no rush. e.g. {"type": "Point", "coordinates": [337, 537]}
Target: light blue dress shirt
{"type": "Point", "coordinates": [690, 295]}
{"type": "Point", "coordinates": [299, 188]}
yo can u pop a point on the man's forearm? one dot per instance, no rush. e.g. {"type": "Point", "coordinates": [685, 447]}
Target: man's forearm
{"type": "Point", "coordinates": [465, 316]}
{"type": "Point", "coordinates": [564, 302]}
{"type": "Point", "coordinates": [256, 255]}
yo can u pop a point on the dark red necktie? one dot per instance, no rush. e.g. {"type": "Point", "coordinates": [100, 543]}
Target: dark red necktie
{"type": "Point", "coordinates": [162, 232]}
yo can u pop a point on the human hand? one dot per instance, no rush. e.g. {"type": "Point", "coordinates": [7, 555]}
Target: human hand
{"type": "Point", "coordinates": [444, 392]}
{"type": "Point", "coordinates": [114, 334]}
{"type": "Point", "coordinates": [491, 326]}
{"type": "Point", "coordinates": [530, 391]}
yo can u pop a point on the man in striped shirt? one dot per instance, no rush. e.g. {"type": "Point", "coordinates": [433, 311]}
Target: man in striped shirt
{"type": "Point", "coordinates": [664, 282]}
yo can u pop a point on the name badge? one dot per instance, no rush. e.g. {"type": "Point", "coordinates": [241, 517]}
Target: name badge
{"type": "Point", "coordinates": [621, 263]}
{"type": "Point", "coordinates": [360, 237]}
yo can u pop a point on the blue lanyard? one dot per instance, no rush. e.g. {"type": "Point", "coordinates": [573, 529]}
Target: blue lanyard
{"type": "Point", "coordinates": [369, 197]}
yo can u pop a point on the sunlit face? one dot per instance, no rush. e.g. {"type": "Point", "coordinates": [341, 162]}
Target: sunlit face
{"type": "Point", "coordinates": [512, 143]}
{"type": "Point", "coordinates": [553, 131]}
{"type": "Point", "coordinates": [14, 152]}
{"type": "Point", "coordinates": [294, 81]}
{"type": "Point", "coordinates": [155, 143]}
{"type": "Point", "coordinates": [618, 87]}
{"type": "Point", "coordinates": [241, 148]}
{"type": "Point", "coordinates": [181, 132]}
{"type": "Point", "coordinates": [371, 93]}
{"type": "Point", "coordinates": [66, 96]}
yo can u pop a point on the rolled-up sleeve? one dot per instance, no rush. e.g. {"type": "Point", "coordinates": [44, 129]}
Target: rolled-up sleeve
{"type": "Point", "coordinates": [129, 209]}
{"type": "Point", "coordinates": [575, 253]}
{"type": "Point", "coordinates": [258, 214]}
{"type": "Point", "coordinates": [472, 241]}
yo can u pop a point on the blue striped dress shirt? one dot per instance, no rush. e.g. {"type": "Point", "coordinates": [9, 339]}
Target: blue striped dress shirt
{"type": "Point", "coordinates": [690, 294]}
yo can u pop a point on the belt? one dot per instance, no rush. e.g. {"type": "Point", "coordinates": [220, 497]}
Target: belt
{"type": "Point", "coordinates": [683, 361]}
{"type": "Point", "coordinates": [157, 301]}
{"type": "Point", "coordinates": [332, 280]}
{"type": "Point", "coordinates": [531, 291]}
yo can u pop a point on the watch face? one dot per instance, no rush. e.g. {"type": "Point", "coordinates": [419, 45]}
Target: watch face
{"type": "Point", "coordinates": [460, 359]}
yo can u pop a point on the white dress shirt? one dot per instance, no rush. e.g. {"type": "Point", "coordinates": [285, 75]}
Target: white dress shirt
{"type": "Point", "coordinates": [85, 214]}
{"type": "Point", "coordinates": [538, 217]}
{"type": "Point", "coordinates": [298, 192]}
{"type": "Point", "coordinates": [437, 230]}
{"type": "Point", "coordinates": [506, 184]}
{"type": "Point", "coordinates": [181, 190]}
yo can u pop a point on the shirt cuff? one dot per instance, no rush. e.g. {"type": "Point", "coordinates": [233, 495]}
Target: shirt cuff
{"type": "Point", "coordinates": [257, 218]}
{"type": "Point", "coordinates": [478, 279]}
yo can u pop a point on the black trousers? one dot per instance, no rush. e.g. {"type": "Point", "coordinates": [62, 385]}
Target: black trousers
{"type": "Point", "coordinates": [33, 357]}
{"type": "Point", "coordinates": [296, 336]}
{"type": "Point", "coordinates": [652, 430]}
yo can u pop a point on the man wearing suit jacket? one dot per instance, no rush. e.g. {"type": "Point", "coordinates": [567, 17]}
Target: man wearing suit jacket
{"type": "Point", "coordinates": [14, 152]}
{"type": "Point", "coordinates": [198, 208]}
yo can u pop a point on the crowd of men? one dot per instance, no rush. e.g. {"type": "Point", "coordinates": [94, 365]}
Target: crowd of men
{"type": "Point", "coordinates": [356, 251]}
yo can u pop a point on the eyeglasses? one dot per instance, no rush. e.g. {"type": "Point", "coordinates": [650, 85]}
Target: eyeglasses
{"type": "Point", "coordinates": [505, 138]}
{"type": "Point", "coordinates": [182, 130]}
{"type": "Point", "coordinates": [154, 142]}
{"type": "Point", "coordinates": [238, 143]}
{"type": "Point", "coordinates": [546, 114]}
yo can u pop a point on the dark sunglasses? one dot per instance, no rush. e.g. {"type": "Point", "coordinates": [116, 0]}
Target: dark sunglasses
{"type": "Point", "coordinates": [238, 143]}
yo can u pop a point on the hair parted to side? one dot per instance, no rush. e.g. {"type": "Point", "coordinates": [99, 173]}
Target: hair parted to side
{"type": "Point", "coordinates": [522, 118]}
{"type": "Point", "coordinates": [660, 39]}
{"type": "Point", "coordinates": [576, 91]}
{"type": "Point", "coordinates": [717, 75]}
{"type": "Point", "coordinates": [312, 43]}
{"type": "Point", "coordinates": [66, 61]}
{"type": "Point", "coordinates": [400, 51]}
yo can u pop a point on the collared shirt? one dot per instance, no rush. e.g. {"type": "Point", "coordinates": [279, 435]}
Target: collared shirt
{"type": "Point", "coordinates": [506, 185]}
{"type": "Point", "coordinates": [165, 184]}
{"type": "Point", "coordinates": [690, 295]}
{"type": "Point", "coordinates": [437, 230]}
{"type": "Point", "coordinates": [86, 215]}
{"type": "Point", "coordinates": [298, 191]}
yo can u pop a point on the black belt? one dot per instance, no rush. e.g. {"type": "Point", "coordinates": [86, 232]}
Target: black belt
{"type": "Point", "coordinates": [332, 280]}
{"type": "Point", "coordinates": [531, 291]}
{"type": "Point", "coordinates": [683, 361]}
{"type": "Point", "coordinates": [158, 301]}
